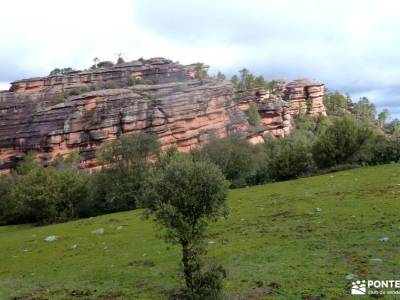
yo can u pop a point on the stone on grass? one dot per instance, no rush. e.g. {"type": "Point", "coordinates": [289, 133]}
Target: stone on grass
{"type": "Point", "coordinates": [99, 231]}
{"type": "Point", "coordinates": [51, 238]}
{"type": "Point", "coordinates": [350, 276]}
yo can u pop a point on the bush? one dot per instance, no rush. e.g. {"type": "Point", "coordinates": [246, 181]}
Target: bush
{"type": "Point", "coordinates": [123, 183]}
{"type": "Point", "coordinates": [290, 157]}
{"type": "Point", "coordinates": [6, 207]}
{"type": "Point", "coordinates": [118, 189]}
{"type": "Point", "coordinates": [341, 143]}
{"type": "Point", "coordinates": [238, 159]}
{"type": "Point", "coordinates": [386, 150]}
{"type": "Point", "coordinates": [45, 195]}
{"type": "Point", "coordinates": [253, 115]}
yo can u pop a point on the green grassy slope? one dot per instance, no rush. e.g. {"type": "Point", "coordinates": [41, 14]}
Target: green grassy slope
{"type": "Point", "coordinates": [275, 244]}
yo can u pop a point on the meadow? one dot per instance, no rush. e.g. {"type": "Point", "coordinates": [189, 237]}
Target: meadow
{"type": "Point", "coordinates": [300, 239]}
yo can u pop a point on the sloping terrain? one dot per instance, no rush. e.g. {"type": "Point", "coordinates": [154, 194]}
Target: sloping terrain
{"type": "Point", "coordinates": [289, 240]}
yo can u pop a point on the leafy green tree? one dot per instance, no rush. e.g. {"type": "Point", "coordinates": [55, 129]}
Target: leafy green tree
{"type": "Point", "coordinates": [382, 117]}
{"type": "Point", "coordinates": [238, 159]}
{"type": "Point", "coordinates": [364, 110]}
{"type": "Point", "coordinates": [122, 184]}
{"type": "Point", "coordinates": [386, 150]}
{"type": "Point", "coordinates": [260, 82]}
{"type": "Point", "coordinates": [340, 143]}
{"type": "Point", "coordinates": [335, 103]}
{"type": "Point", "coordinates": [290, 157]}
{"type": "Point", "coordinates": [46, 195]}
{"type": "Point", "coordinates": [6, 207]}
{"type": "Point", "coordinates": [187, 196]}
{"type": "Point", "coordinates": [128, 150]}
{"type": "Point", "coordinates": [393, 128]}
{"type": "Point", "coordinates": [221, 76]}
{"type": "Point", "coordinates": [235, 81]}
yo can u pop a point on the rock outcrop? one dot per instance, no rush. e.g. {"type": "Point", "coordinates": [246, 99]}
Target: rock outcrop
{"type": "Point", "coordinates": [78, 111]}
{"type": "Point", "coordinates": [305, 97]}
{"type": "Point", "coordinates": [274, 112]}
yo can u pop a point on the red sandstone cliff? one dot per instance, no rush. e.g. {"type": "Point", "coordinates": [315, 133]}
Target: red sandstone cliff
{"type": "Point", "coordinates": [180, 109]}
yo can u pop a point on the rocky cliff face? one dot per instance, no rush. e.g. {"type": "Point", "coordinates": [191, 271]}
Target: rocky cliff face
{"type": "Point", "coordinates": [181, 110]}
{"type": "Point", "coordinates": [305, 97]}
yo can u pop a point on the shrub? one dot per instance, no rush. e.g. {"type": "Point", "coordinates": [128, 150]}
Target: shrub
{"type": "Point", "coordinates": [130, 81]}
{"type": "Point", "coordinates": [6, 207]}
{"type": "Point", "coordinates": [290, 157]}
{"type": "Point", "coordinates": [119, 188]}
{"type": "Point", "coordinates": [238, 159]}
{"type": "Point", "coordinates": [187, 196]}
{"type": "Point", "coordinates": [340, 143]}
{"type": "Point", "coordinates": [253, 115]}
{"type": "Point", "coordinates": [386, 150]}
{"type": "Point", "coordinates": [45, 195]}
{"type": "Point", "coordinates": [123, 183]}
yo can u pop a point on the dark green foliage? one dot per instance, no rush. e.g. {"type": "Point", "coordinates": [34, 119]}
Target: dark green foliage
{"type": "Point", "coordinates": [386, 150]}
{"type": "Point", "coordinates": [60, 72]}
{"type": "Point", "coordinates": [314, 125]}
{"type": "Point", "coordinates": [254, 116]}
{"type": "Point", "coordinates": [335, 103]}
{"type": "Point", "coordinates": [290, 157]}
{"type": "Point", "coordinates": [340, 143]}
{"type": "Point", "coordinates": [393, 128]}
{"type": "Point", "coordinates": [187, 195]}
{"type": "Point", "coordinates": [129, 149]}
{"type": "Point", "coordinates": [119, 188]}
{"type": "Point", "coordinates": [130, 81]}
{"type": "Point", "coordinates": [248, 81]}
{"type": "Point", "coordinates": [238, 159]}
{"type": "Point", "coordinates": [364, 110]}
{"type": "Point", "coordinates": [122, 185]}
{"type": "Point", "coordinates": [235, 81]}
{"type": "Point", "coordinates": [6, 207]}
{"type": "Point", "coordinates": [45, 195]}
{"type": "Point", "coordinates": [382, 117]}
{"type": "Point", "coordinates": [72, 92]}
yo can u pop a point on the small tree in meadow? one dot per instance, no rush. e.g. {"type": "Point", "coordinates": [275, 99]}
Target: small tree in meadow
{"type": "Point", "coordinates": [188, 195]}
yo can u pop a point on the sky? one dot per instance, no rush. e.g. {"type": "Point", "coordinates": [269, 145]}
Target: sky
{"type": "Point", "coordinates": [350, 45]}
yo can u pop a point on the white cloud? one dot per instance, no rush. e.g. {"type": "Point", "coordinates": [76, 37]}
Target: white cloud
{"type": "Point", "coordinates": [350, 45]}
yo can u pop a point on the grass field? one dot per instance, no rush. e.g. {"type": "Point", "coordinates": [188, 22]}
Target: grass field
{"type": "Point", "coordinates": [289, 240]}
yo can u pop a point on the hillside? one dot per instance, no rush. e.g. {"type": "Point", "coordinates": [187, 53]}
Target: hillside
{"type": "Point", "coordinates": [286, 240]}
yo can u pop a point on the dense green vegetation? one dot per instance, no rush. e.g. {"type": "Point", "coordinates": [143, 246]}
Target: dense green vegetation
{"type": "Point", "coordinates": [318, 145]}
{"type": "Point", "coordinates": [285, 240]}
{"type": "Point", "coordinates": [185, 192]}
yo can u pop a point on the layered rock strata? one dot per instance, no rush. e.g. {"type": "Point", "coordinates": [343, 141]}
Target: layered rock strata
{"type": "Point", "coordinates": [182, 110]}
{"type": "Point", "coordinates": [305, 97]}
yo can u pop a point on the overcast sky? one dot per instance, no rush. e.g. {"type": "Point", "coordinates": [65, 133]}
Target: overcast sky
{"type": "Point", "coordinates": [352, 46]}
